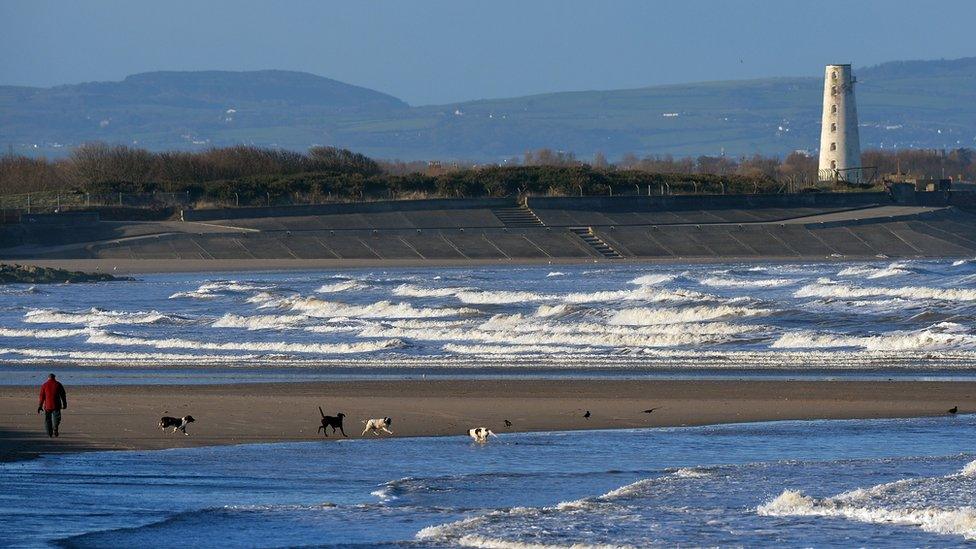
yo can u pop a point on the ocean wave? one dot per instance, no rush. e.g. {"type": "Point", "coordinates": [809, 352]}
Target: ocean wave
{"type": "Point", "coordinates": [864, 271]}
{"type": "Point", "coordinates": [829, 289]}
{"type": "Point", "coordinates": [651, 316]}
{"type": "Point", "coordinates": [518, 323]}
{"type": "Point", "coordinates": [43, 333]}
{"type": "Point", "coordinates": [381, 309]}
{"type": "Point", "coordinates": [905, 502]}
{"type": "Point", "coordinates": [724, 282]}
{"type": "Point", "coordinates": [259, 322]}
{"type": "Point", "coordinates": [218, 288]}
{"type": "Point", "coordinates": [652, 279]}
{"type": "Point", "coordinates": [469, 295]}
{"type": "Point", "coordinates": [100, 317]}
{"type": "Point", "coordinates": [123, 357]}
{"type": "Point", "coordinates": [551, 311]}
{"type": "Point", "coordinates": [343, 286]}
{"type": "Point", "coordinates": [107, 338]}
{"type": "Point", "coordinates": [941, 336]}
{"type": "Point", "coordinates": [514, 350]}
{"type": "Point", "coordinates": [484, 542]}
{"type": "Point", "coordinates": [642, 293]}
{"type": "Point", "coordinates": [518, 330]}
{"type": "Point", "coordinates": [937, 520]}
{"type": "Point", "coordinates": [555, 273]}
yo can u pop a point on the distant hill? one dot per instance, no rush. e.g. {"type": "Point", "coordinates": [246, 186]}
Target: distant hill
{"type": "Point", "coordinates": [902, 104]}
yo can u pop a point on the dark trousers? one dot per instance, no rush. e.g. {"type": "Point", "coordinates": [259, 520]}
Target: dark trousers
{"type": "Point", "coordinates": [51, 421]}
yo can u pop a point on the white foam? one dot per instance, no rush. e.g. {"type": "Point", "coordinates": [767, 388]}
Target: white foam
{"type": "Point", "coordinates": [942, 336]}
{"type": "Point", "coordinates": [969, 470]}
{"type": "Point", "coordinates": [937, 520]}
{"type": "Point", "coordinates": [518, 330]}
{"type": "Point", "coordinates": [43, 334]}
{"type": "Point", "coordinates": [724, 282]}
{"type": "Point", "coordinates": [259, 322]}
{"type": "Point", "coordinates": [105, 338]}
{"type": "Point", "coordinates": [549, 311]}
{"type": "Point", "coordinates": [869, 271]}
{"type": "Point", "coordinates": [471, 540]}
{"type": "Point", "coordinates": [829, 289]}
{"type": "Point", "coordinates": [98, 317]}
{"type": "Point", "coordinates": [555, 273]}
{"type": "Point", "coordinates": [652, 279]}
{"type": "Point", "coordinates": [381, 309]}
{"type": "Point", "coordinates": [650, 316]}
{"type": "Point", "coordinates": [642, 293]}
{"type": "Point", "coordinates": [343, 286]}
{"type": "Point", "coordinates": [212, 290]}
{"type": "Point", "coordinates": [512, 350]}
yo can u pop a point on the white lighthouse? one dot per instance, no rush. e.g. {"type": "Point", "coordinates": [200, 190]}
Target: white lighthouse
{"type": "Point", "coordinates": [840, 144]}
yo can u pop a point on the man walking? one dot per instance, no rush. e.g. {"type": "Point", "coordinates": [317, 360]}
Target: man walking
{"type": "Point", "coordinates": [53, 400]}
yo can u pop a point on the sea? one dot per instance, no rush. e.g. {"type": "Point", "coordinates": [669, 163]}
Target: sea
{"type": "Point", "coordinates": [874, 483]}
{"type": "Point", "coordinates": [858, 483]}
{"type": "Point", "coordinates": [885, 316]}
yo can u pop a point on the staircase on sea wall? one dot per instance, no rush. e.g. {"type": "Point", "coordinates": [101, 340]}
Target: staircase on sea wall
{"type": "Point", "coordinates": [518, 217]}
{"type": "Point", "coordinates": [595, 242]}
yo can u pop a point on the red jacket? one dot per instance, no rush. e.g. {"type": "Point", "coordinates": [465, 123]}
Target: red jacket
{"type": "Point", "coordinates": [53, 396]}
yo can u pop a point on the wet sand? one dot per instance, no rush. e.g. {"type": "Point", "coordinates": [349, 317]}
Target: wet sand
{"type": "Point", "coordinates": [125, 417]}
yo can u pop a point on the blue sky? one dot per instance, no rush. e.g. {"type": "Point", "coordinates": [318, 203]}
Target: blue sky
{"type": "Point", "coordinates": [443, 51]}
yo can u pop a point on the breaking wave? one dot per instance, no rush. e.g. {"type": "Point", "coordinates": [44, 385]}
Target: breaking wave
{"type": "Point", "coordinates": [650, 316]}
{"type": "Point", "coordinates": [652, 279]}
{"type": "Point", "coordinates": [216, 289]}
{"type": "Point", "coordinates": [868, 271]}
{"type": "Point", "coordinates": [107, 338]}
{"type": "Point", "coordinates": [720, 282]}
{"type": "Point", "coordinates": [829, 289]}
{"type": "Point", "coordinates": [886, 504]}
{"type": "Point", "coordinates": [99, 317]}
{"type": "Point", "coordinates": [381, 309]}
{"type": "Point", "coordinates": [259, 322]}
{"type": "Point", "coordinates": [942, 336]}
{"type": "Point", "coordinates": [343, 286]}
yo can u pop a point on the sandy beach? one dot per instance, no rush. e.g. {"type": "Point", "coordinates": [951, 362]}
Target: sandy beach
{"type": "Point", "coordinates": [124, 417]}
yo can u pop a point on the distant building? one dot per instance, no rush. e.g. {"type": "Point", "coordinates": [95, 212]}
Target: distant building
{"type": "Point", "coordinates": [840, 143]}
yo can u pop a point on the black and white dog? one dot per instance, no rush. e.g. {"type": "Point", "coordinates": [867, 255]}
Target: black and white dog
{"type": "Point", "coordinates": [480, 434]}
{"type": "Point", "coordinates": [330, 421]}
{"type": "Point", "coordinates": [377, 425]}
{"type": "Point", "coordinates": [177, 423]}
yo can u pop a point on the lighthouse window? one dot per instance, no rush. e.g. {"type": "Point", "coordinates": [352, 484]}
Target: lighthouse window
{"type": "Point", "coordinates": [833, 126]}
{"type": "Point", "coordinates": [833, 146]}
{"type": "Point", "coordinates": [834, 75]}
{"type": "Point", "coordinates": [833, 164]}
{"type": "Point", "coordinates": [833, 109]}
{"type": "Point", "coordinates": [833, 90]}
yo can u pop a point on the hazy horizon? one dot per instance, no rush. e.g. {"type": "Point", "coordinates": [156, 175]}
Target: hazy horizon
{"type": "Point", "coordinates": [443, 52]}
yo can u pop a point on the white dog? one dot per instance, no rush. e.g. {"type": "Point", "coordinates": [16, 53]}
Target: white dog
{"type": "Point", "coordinates": [376, 425]}
{"type": "Point", "coordinates": [480, 434]}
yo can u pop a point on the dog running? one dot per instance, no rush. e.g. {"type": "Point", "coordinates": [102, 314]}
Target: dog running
{"type": "Point", "coordinates": [177, 423]}
{"type": "Point", "coordinates": [377, 425]}
{"type": "Point", "coordinates": [331, 421]}
{"type": "Point", "coordinates": [480, 434]}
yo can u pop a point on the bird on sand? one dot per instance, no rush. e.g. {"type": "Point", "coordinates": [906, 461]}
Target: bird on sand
{"type": "Point", "coordinates": [587, 415]}
{"type": "Point", "coordinates": [508, 423]}
{"type": "Point", "coordinates": [953, 410]}
{"type": "Point", "coordinates": [649, 410]}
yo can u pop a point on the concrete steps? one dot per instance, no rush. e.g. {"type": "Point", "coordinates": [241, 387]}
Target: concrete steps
{"type": "Point", "coordinates": [595, 242]}
{"type": "Point", "coordinates": [520, 217]}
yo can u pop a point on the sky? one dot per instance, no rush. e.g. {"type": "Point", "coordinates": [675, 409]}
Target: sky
{"type": "Point", "coordinates": [432, 52]}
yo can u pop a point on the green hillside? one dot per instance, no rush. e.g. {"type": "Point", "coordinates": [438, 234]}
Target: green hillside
{"type": "Point", "coordinates": [921, 104]}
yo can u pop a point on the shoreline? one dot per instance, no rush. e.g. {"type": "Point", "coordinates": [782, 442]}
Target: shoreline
{"type": "Point", "coordinates": [123, 417]}
{"type": "Point", "coordinates": [160, 266]}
